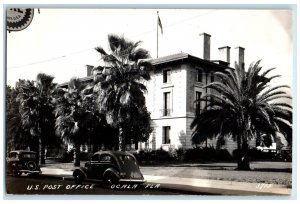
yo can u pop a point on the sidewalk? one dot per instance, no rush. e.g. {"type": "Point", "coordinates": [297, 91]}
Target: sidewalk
{"type": "Point", "coordinates": [191, 185]}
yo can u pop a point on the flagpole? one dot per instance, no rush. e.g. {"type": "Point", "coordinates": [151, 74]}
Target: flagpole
{"type": "Point", "coordinates": [157, 37]}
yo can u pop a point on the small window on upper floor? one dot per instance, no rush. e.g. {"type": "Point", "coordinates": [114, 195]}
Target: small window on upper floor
{"type": "Point", "coordinates": [199, 75]}
{"type": "Point", "coordinates": [166, 76]}
{"type": "Point", "coordinates": [198, 102]}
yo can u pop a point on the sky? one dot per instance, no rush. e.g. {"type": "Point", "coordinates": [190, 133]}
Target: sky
{"type": "Point", "coordinates": [60, 42]}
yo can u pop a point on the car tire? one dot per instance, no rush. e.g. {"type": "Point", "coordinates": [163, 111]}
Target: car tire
{"type": "Point", "coordinates": [110, 178]}
{"type": "Point", "coordinates": [15, 172]}
{"type": "Point", "coordinates": [78, 178]}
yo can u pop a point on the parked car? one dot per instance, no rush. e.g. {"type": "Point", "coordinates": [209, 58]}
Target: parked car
{"type": "Point", "coordinates": [21, 161]}
{"type": "Point", "coordinates": [111, 167]}
{"type": "Point", "coordinates": [284, 154]}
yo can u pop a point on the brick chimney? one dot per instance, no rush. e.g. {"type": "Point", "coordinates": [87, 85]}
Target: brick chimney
{"type": "Point", "coordinates": [205, 46]}
{"type": "Point", "coordinates": [224, 54]}
{"type": "Point", "coordinates": [240, 56]}
{"type": "Point", "coordinates": [89, 69]}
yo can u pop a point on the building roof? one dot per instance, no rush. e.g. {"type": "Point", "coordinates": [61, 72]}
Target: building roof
{"type": "Point", "coordinates": [170, 58]}
{"type": "Point", "coordinates": [218, 64]}
{"type": "Point", "coordinates": [82, 79]}
{"type": "Point", "coordinates": [184, 56]}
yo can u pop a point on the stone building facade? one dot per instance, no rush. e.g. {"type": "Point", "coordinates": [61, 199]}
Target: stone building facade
{"type": "Point", "coordinates": [176, 82]}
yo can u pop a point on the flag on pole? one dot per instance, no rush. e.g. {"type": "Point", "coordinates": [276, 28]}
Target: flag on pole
{"type": "Point", "coordinates": [159, 23]}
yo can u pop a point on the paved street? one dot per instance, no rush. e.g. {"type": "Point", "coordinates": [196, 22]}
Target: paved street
{"type": "Point", "coordinates": [265, 178]}
{"type": "Point", "coordinates": [48, 186]}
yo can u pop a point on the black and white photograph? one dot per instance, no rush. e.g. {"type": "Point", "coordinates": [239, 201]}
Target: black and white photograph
{"type": "Point", "coordinates": [149, 101]}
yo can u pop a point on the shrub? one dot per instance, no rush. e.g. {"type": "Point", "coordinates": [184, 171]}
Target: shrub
{"type": "Point", "coordinates": [200, 154]}
{"type": "Point", "coordinates": [256, 155]}
{"type": "Point", "coordinates": [190, 155]}
{"type": "Point", "coordinates": [180, 154]}
{"type": "Point", "coordinates": [156, 155]}
{"type": "Point", "coordinates": [223, 155]}
{"type": "Point", "coordinates": [68, 156]}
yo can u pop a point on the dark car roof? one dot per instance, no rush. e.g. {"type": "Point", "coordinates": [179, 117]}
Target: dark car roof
{"type": "Point", "coordinates": [22, 151]}
{"type": "Point", "coordinates": [114, 153]}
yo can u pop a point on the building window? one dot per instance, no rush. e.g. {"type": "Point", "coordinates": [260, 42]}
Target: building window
{"type": "Point", "coordinates": [199, 75]}
{"type": "Point", "coordinates": [167, 76]}
{"type": "Point", "coordinates": [166, 135]}
{"type": "Point", "coordinates": [198, 103]}
{"type": "Point", "coordinates": [167, 104]}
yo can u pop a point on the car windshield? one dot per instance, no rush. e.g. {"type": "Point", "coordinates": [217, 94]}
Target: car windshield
{"type": "Point", "coordinates": [29, 155]}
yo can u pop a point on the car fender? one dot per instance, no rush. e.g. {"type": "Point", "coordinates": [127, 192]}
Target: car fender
{"type": "Point", "coordinates": [82, 170]}
{"type": "Point", "coordinates": [112, 170]}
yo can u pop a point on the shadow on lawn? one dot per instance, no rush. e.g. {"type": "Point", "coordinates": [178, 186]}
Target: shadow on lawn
{"type": "Point", "coordinates": [287, 170]}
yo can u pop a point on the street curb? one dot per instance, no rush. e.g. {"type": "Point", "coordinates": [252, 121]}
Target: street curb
{"type": "Point", "coordinates": [186, 189]}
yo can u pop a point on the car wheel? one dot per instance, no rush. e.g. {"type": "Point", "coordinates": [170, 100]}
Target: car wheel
{"type": "Point", "coordinates": [110, 178]}
{"type": "Point", "coordinates": [78, 177]}
{"type": "Point", "coordinates": [15, 172]}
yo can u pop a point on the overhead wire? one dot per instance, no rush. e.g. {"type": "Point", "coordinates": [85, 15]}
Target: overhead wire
{"type": "Point", "coordinates": [91, 48]}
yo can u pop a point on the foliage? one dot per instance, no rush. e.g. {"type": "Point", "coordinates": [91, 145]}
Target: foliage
{"type": "Point", "coordinates": [73, 113]}
{"type": "Point", "coordinates": [35, 107]}
{"type": "Point", "coordinates": [206, 154]}
{"type": "Point", "coordinates": [16, 136]}
{"type": "Point", "coordinates": [68, 156]}
{"type": "Point", "coordinates": [154, 156]}
{"type": "Point", "coordinates": [137, 128]}
{"type": "Point", "coordinates": [243, 106]}
{"type": "Point", "coordinates": [121, 90]}
{"type": "Point", "coordinates": [256, 155]}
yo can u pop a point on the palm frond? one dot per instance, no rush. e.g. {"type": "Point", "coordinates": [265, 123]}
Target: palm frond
{"type": "Point", "coordinates": [101, 51]}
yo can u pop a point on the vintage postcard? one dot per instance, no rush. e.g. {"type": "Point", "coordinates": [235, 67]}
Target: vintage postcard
{"type": "Point", "coordinates": [104, 101]}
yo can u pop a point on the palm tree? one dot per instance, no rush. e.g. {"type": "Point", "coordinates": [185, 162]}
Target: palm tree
{"type": "Point", "coordinates": [45, 87]}
{"type": "Point", "coordinates": [36, 109]}
{"type": "Point", "coordinates": [73, 115]}
{"type": "Point", "coordinates": [244, 107]}
{"type": "Point", "coordinates": [16, 136]}
{"type": "Point", "coordinates": [120, 82]}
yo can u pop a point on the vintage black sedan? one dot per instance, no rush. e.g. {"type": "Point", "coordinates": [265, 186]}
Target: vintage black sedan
{"type": "Point", "coordinates": [22, 161]}
{"type": "Point", "coordinates": [111, 167]}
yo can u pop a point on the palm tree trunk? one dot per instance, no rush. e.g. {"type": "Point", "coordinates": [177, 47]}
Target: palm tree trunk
{"type": "Point", "coordinates": [43, 159]}
{"type": "Point", "coordinates": [121, 140]}
{"type": "Point", "coordinates": [243, 157]}
{"type": "Point", "coordinates": [238, 142]}
{"type": "Point", "coordinates": [76, 155]}
{"type": "Point", "coordinates": [40, 150]}
{"type": "Point", "coordinates": [34, 146]}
